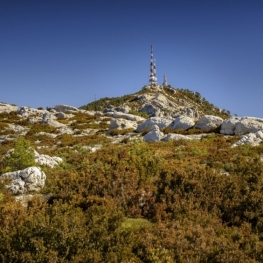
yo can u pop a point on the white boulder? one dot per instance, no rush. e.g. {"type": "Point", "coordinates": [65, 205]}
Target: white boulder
{"type": "Point", "coordinates": [47, 160]}
{"type": "Point", "coordinates": [122, 115]}
{"type": "Point", "coordinates": [23, 181]}
{"type": "Point", "coordinates": [209, 122]}
{"type": "Point", "coordinates": [228, 126]}
{"type": "Point", "coordinates": [150, 123]}
{"type": "Point", "coordinates": [50, 119]}
{"type": "Point", "coordinates": [248, 124]}
{"type": "Point", "coordinates": [122, 124]}
{"type": "Point", "coordinates": [173, 136]}
{"type": "Point", "coordinates": [154, 136]}
{"type": "Point", "coordinates": [182, 122]}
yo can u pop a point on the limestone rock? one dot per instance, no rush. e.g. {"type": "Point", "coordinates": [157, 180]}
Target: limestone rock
{"type": "Point", "coordinates": [47, 160]}
{"type": "Point", "coordinates": [209, 122]}
{"type": "Point", "coordinates": [4, 107]}
{"type": "Point", "coordinates": [154, 136]}
{"type": "Point", "coordinates": [28, 111]}
{"type": "Point", "coordinates": [182, 122]}
{"type": "Point", "coordinates": [248, 124]}
{"type": "Point", "coordinates": [150, 123]}
{"type": "Point", "coordinates": [173, 136]}
{"type": "Point", "coordinates": [50, 119]}
{"type": "Point", "coordinates": [122, 124]}
{"type": "Point", "coordinates": [65, 108]}
{"type": "Point", "coordinates": [23, 181]}
{"type": "Point", "coordinates": [18, 128]}
{"type": "Point", "coordinates": [126, 116]}
{"type": "Point", "coordinates": [228, 126]}
{"type": "Point", "coordinates": [253, 139]}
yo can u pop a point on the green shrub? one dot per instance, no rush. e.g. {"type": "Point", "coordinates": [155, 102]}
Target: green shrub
{"type": "Point", "coordinates": [21, 157]}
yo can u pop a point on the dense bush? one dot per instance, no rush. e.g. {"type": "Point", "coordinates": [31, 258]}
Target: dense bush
{"type": "Point", "coordinates": [21, 157]}
{"type": "Point", "coordinates": [178, 201]}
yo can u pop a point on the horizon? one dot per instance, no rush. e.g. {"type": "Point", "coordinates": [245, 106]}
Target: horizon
{"type": "Point", "coordinates": [65, 52]}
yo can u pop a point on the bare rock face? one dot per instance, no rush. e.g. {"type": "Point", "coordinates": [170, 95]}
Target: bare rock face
{"type": "Point", "coordinates": [150, 123]}
{"type": "Point", "coordinates": [173, 136]}
{"type": "Point", "coordinates": [4, 107]}
{"type": "Point", "coordinates": [241, 125]}
{"type": "Point", "coordinates": [122, 124]}
{"type": "Point", "coordinates": [182, 122]}
{"type": "Point", "coordinates": [154, 136]}
{"type": "Point", "coordinates": [228, 126]}
{"type": "Point", "coordinates": [209, 122]}
{"type": "Point", "coordinates": [248, 124]}
{"type": "Point", "coordinates": [23, 181]}
{"type": "Point", "coordinates": [253, 139]}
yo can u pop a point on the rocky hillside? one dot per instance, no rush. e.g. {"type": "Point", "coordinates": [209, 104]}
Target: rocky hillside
{"type": "Point", "coordinates": [160, 101]}
{"type": "Point", "coordinates": [157, 176]}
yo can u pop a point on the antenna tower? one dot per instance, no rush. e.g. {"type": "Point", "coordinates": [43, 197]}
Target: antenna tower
{"type": "Point", "coordinates": [152, 78]}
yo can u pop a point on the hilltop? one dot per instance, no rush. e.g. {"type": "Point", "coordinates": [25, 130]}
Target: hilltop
{"type": "Point", "coordinates": [159, 101]}
{"type": "Point", "coordinates": [160, 175]}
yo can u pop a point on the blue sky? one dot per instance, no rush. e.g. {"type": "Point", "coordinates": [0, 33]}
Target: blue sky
{"type": "Point", "coordinates": [68, 52]}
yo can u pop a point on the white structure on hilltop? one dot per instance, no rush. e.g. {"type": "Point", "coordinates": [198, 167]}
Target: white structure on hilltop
{"type": "Point", "coordinates": [152, 78]}
{"type": "Point", "coordinates": [164, 80]}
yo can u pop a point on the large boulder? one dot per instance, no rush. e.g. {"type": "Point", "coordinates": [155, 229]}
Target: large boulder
{"type": "Point", "coordinates": [154, 136]}
{"type": "Point", "coordinates": [228, 126]}
{"type": "Point", "coordinates": [209, 122]}
{"type": "Point", "coordinates": [50, 119]}
{"type": "Point", "coordinates": [47, 160]}
{"type": "Point", "coordinates": [126, 116]}
{"type": "Point", "coordinates": [150, 123]}
{"type": "Point", "coordinates": [122, 124]}
{"type": "Point", "coordinates": [175, 137]}
{"type": "Point", "coordinates": [182, 122]}
{"type": "Point", "coordinates": [23, 181]}
{"type": "Point", "coordinates": [248, 124]}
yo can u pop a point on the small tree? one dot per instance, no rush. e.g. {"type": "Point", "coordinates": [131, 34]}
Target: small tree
{"type": "Point", "coordinates": [21, 157]}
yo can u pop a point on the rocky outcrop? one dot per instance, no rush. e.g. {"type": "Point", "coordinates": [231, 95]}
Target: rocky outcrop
{"type": "Point", "coordinates": [228, 126]}
{"type": "Point", "coordinates": [150, 123]}
{"type": "Point", "coordinates": [241, 125]}
{"type": "Point", "coordinates": [154, 136]}
{"type": "Point", "coordinates": [47, 160]}
{"type": "Point", "coordinates": [122, 124]}
{"type": "Point", "coordinates": [126, 116]}
{"type": "Point", "coordinates": [173, 136]}
{"type": "Point", "coordinates": [209, 122]}
{"type": "Point", "coordinates": [27, 180]}
{"type": "Point", "coordinates": [28, 111]}
{"type": "Point", "coordinates": [182, 122]}
{"type": "Point", "coordinates": [253, 139]}
{"type": "Point", "coordinates": [65, 108]}
{"type": "Point", "coordinates": [50, 119]}
{"type": "Point", "coordinates": [248, 124]}
{"type": "Point", "coordinates": [4, 107]}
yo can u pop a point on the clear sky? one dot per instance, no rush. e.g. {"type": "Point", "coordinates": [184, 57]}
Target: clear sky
{"type": "Point", "coordinates": [69, 51]}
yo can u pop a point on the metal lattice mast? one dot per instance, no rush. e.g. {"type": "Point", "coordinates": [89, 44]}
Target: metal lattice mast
{"type": "Point", "coordinates": [152, 78]}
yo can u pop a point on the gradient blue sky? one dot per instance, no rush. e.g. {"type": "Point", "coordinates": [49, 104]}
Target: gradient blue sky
{"type": "Point", "coordinates": [66, 52]}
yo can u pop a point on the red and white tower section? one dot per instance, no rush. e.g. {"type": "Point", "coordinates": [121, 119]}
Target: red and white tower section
{"type": "Point", "coordinates": [152, 78]}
